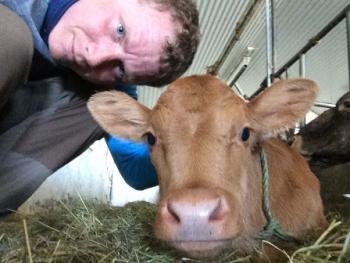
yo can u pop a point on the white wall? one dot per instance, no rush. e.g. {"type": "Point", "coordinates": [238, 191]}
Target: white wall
{"type": "Point", "coordinates": [93, 175]}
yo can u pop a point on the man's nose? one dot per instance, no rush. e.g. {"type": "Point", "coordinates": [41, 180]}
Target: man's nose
{"type": "Point", "coordinates": [99, 54]}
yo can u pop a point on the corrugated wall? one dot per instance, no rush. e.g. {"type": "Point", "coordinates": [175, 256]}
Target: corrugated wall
{"type": "Point", "coordinates": [217, 23]}
{"type": "Point", "coordinates": [296, 22]}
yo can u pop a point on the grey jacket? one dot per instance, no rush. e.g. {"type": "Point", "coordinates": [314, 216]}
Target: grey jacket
{"type": "Point", "coordinates": [33, 13]}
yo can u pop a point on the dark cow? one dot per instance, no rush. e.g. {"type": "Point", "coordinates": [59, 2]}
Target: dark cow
{"type": "Point", "coordinates": [207, 146]}
{"type": "Point", "coordinates": [325, 141]}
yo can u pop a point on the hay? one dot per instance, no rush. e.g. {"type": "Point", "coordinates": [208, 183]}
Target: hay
{"type": "Point", "coordinates": [90, 232]}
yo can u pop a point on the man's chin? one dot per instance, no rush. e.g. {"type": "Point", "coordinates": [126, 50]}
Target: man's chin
{"type": "Point", "coordinates": [88, 75]}
{"type": "Point", "coordinates": [98, 81]}
{"type": "Point", "coordinates": [103, 81]}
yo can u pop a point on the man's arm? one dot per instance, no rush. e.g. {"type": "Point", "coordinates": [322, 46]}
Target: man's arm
{"type": "Point", "coordinates": [132, 158]}
{"type": "Point", "coordinates": [134, 162]}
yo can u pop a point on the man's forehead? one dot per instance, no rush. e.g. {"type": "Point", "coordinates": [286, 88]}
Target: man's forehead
{"type": "Point", "coordinates": [146, 42]}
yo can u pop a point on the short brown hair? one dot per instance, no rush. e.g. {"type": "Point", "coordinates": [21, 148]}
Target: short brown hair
{"type": "Point", "coordinates": [177, 56]}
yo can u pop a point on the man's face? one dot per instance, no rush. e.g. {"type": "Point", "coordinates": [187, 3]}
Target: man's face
{"type": "Point", "coordinates": [108, 41]}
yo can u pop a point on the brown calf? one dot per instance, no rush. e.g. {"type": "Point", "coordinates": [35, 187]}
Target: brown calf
{"type": "Point", "coordinates": [204, 142]}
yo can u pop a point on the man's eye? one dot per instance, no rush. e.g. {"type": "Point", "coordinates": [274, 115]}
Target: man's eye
{"type": "Point", "coordinates": [120, 31]}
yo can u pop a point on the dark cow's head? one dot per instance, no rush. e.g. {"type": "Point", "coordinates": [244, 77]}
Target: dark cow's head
{"type": "Point", "coordinates": [204, 142]}
{"type": "Point", "coordinates": [325, 141]}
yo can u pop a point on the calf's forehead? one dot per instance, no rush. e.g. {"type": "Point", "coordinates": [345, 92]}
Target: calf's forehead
{"type": "Point", "coordinates": [197, 101]}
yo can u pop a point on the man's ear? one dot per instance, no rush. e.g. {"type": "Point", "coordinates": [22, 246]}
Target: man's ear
{"type": "Point", "coordinates": [282, 105]}
{"type": "Point", "coordinates": [119, 114]}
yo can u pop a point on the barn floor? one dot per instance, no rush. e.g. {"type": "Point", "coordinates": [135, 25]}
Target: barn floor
{"type": "Point", "coordinates": [81, 231]}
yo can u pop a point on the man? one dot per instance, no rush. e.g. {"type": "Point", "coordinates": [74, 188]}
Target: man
{"type": "Point", "coordinates": [44, 123]}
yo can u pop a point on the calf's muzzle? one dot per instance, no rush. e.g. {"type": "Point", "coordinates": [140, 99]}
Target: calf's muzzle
{"type": "Point", "coordinates": [196, 219]}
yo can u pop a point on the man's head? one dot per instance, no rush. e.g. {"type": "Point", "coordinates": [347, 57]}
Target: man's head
{"type": "Point", "coordinates": [148, 42]}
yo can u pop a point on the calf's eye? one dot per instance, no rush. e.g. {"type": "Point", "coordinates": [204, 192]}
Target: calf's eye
{"type": "Point", "coordinates": [245, 133]}
{"type": "Point", "coordinates": [151, 139]}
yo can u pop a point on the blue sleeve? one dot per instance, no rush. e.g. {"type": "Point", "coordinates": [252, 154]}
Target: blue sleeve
{"type": "Point", "coordinates": [133, 161]}
{"type": "Point", "coordinates": [131, 90]}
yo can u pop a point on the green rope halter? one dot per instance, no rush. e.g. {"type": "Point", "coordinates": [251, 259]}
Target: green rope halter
{"type": "Point", "coordinates": [272, 227]}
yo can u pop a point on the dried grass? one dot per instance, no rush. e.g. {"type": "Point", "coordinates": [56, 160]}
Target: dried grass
{"type": "Point", "coordinates": [90, 232]}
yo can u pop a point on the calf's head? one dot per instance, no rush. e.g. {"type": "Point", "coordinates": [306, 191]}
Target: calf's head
{"type": "Point", "coordinates": [203, 141]}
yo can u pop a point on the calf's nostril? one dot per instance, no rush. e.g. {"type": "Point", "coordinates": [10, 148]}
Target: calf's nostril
{"type": "Point", "coordinates": [217, 213]}
{"type": "Point", "coordinates": [173, 214]}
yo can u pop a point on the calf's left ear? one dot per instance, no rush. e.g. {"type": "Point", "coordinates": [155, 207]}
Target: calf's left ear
{"type": "Point", "coordinates": [119, 114]}
{"type": "Point", "coordinates": [282, 105]}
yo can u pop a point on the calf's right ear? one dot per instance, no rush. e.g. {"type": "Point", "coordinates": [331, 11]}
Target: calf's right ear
{"type": "Point", "coordinates": [119, 114]}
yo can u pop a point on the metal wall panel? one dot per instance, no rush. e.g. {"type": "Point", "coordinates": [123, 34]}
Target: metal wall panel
{"type": "Point", "coordinates": [296, 22]}
{"type": "Point", "coordinates": [217, 22]}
